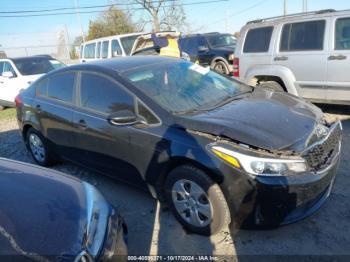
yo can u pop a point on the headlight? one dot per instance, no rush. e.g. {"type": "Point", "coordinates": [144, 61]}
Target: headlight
{"type": "Point", "coordinates": [259, 165]}
{"type": "Point", "coordinates": [231, 57]}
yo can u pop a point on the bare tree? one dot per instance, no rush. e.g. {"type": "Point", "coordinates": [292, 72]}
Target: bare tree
{"type": "Point", "coordinates": [164, 14]}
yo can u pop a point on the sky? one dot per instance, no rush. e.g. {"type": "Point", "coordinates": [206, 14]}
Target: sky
{"type": "Point", "coordinates": [228, 16]}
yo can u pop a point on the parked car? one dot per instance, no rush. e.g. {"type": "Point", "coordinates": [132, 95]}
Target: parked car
{"type": "Point", "coordinates": [18, 73]}
{"type": "Point", "coordinates": [303, 54]}
{"type": "Point", "coordinates": [46, 215]}
{"type": "Point", "coordinates": [211, 49]}
{"type": "Point", "coordinates": [107, 47]}
{"type": "Point", "coordinates": [215, 149]}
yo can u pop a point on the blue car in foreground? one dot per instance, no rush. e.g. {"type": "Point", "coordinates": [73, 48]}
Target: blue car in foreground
{"type": "Point", "coordinates": [46, 215]}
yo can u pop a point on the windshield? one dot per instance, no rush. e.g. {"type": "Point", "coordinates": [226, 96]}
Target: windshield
{"type": "Point", "coordinates": [37, 65]}
{"type": "Point", "coordinates": [221, 40]}
{"type": "Point", "coordinates": [182, 87]}
{"type": "Point", "coordinates": [128, 42]}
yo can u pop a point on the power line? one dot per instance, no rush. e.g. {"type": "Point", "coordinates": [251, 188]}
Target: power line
{"type": "Point", "coordinates": [98, 11]}
{"type": "Point", "coordinates": [72, 8]}
{"type": "Point", "coordinates": [81, 7]}
{"type": "Point", "coordinates": [241, 11]}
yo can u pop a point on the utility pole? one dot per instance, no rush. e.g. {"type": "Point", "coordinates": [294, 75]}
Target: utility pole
{"type": "Point", "coordinates": [304, 6]}
{"type": "Point", "coordinates": [76, 4]}
{"type": "Point", "coordinates": [284, 7]}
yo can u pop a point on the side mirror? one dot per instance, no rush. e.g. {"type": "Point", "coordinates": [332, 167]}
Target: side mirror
{"type": "Point", "coordinates": [202, 48]}
{"type": "Point", "coordinates": [123, 118]}
{"type": "Point", "coordinates": [8, 74]}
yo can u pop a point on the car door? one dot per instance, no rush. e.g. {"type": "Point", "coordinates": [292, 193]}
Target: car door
{"type": "Point", "coordinates": [303, 50]}
{"type": "Point", "coordinates": [338, 66]}
{"type": "Point", "coordinates": [102, 146]}
{"type": "Point", "coordinates": [53, 105]}
{"type": "Point", "coordinates": [204, 53]}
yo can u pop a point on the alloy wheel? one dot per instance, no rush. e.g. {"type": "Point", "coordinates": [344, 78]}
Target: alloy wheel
{"type": "Point", "coordinates": [192, 203]}
{"type": "Point", "coordinates": [220, 68]}
{"type": "Point", "coordinates": [37, 147]}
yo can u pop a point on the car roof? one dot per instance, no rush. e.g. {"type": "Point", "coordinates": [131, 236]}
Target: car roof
{"type": "Point", "coordinates": [296, 16]}
{"type": "Point", "coordinates": [111, 37]}
{"type": "Point", "coordinates": [29, 57]}
{"type": "Point", "coordinates": [121, 64]}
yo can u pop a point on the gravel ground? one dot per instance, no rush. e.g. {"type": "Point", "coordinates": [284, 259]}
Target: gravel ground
{"type": "Point", "coordinates": [155, 231]}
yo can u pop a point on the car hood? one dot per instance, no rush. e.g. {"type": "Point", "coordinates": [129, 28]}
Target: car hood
{"type": "Point", "coordinates": [42, 212]}
{"type": "Point", "coordinates": [262, 119]}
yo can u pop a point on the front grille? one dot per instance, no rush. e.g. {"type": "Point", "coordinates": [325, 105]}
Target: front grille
{"type": "Point", "coordinates": [318, 154]}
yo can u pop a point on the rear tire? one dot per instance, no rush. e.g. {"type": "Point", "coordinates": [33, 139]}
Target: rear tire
{"type": "Point", "coordinates": [272, 85]}
{"type": "Point", "coordinates": [196, 200]}
{"type": "Point", "coordinates": [37, 146]}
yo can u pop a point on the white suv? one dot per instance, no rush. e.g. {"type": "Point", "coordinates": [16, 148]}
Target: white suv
{"type": "Point", "coordinates": [307, 55]}
{"type": "Point", "coordinates": [18, 73]}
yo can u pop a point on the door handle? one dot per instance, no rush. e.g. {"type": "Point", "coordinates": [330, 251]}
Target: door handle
{"type": "Point", "coordinates": [337, 57]}
{"type": "Point", "coordinates": [38, 108]}
{"type": "Point", "coordinates": [82, 124]}
{"type": "Point", "coordinates": [280, 58]}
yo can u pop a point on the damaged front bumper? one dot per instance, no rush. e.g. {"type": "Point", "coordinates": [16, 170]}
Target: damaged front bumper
{"type": "Point", "coordinates": [270, 201]}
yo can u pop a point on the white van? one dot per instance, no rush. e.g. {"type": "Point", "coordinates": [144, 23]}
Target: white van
{"type": "Point", "coordinates": [107, 47]}
{"type": "Point", "coordinates": [307, 55]}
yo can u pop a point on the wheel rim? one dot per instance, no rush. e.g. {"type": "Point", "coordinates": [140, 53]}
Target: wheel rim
{"type": "Point", "coordinates": [220, 68]}
{"type": "Point", "coordinates": [192, 203]}
{"type": "Point", "coordinates": [37, 147]}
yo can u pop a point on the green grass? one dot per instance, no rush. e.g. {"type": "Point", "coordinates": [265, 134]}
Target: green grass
{"type": "Point", "coordinates": [7, 113]}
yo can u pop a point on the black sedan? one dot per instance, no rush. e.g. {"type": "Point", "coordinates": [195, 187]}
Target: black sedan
{"type": "Point", "coordinates": [46, 215]}
{"type": "Point", "coordinates": [215, 150]}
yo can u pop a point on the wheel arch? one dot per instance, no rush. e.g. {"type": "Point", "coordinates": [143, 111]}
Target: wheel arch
{"type": "Point", "coordinates": [283, 75]}
{"type": "Point", "coordinates": [177, 161]}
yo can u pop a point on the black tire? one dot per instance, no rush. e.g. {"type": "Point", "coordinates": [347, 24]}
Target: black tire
{"type": "Point", "coordinates": [215, 199]}
{"type": "Point", "coordinates": [271, 85]}
{"type": "Point", "coordinates": [220, 67]}
{"type": "Point", "coordinates": [45, 159]}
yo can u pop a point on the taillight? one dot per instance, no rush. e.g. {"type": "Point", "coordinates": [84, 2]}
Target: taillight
{"type": "Point", "coordinates": [18, 100]}
{"type": "Point", "coordinates": [235, 71]}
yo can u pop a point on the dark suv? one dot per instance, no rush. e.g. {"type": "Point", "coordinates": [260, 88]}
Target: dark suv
{"type": "Point", "coordinates": [211, 49]}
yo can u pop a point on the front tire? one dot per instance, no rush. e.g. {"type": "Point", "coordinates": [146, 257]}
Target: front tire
{"type": "Point", "coordinates": [38, 147]}
{"type": "Point", "coordinates": [220, 67]}
{"type": "Point", "coordinates": [196, 200]}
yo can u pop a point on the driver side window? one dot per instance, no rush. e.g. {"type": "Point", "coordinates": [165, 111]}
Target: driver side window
{"type": "Point", "coordinates": [7, 67]}
{"type": "Point", "coordinates": [103, 95]}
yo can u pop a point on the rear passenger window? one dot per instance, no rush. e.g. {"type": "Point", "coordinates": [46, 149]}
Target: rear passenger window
{"type": "Point", "coordinates": [41, 88]}
{"type": "Point", "coordinates": [258, 40]}
{"type": "Point", "coordinates": [89, 51]}
{"type": "Point", "coordinates": [304, 36]}
{"type": "Point", "coordinates": [61, 87]}
{"type": "Point", "coordinates": [98, 50]}
{"type": "Point", "coordinates": [105, 49]}
{"type": "Point", "coordinates": [116, 49]}
{"type": "Point", "coordinates": [104, 95]}
{"type": "Point", "coordinates": [342, 34]}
